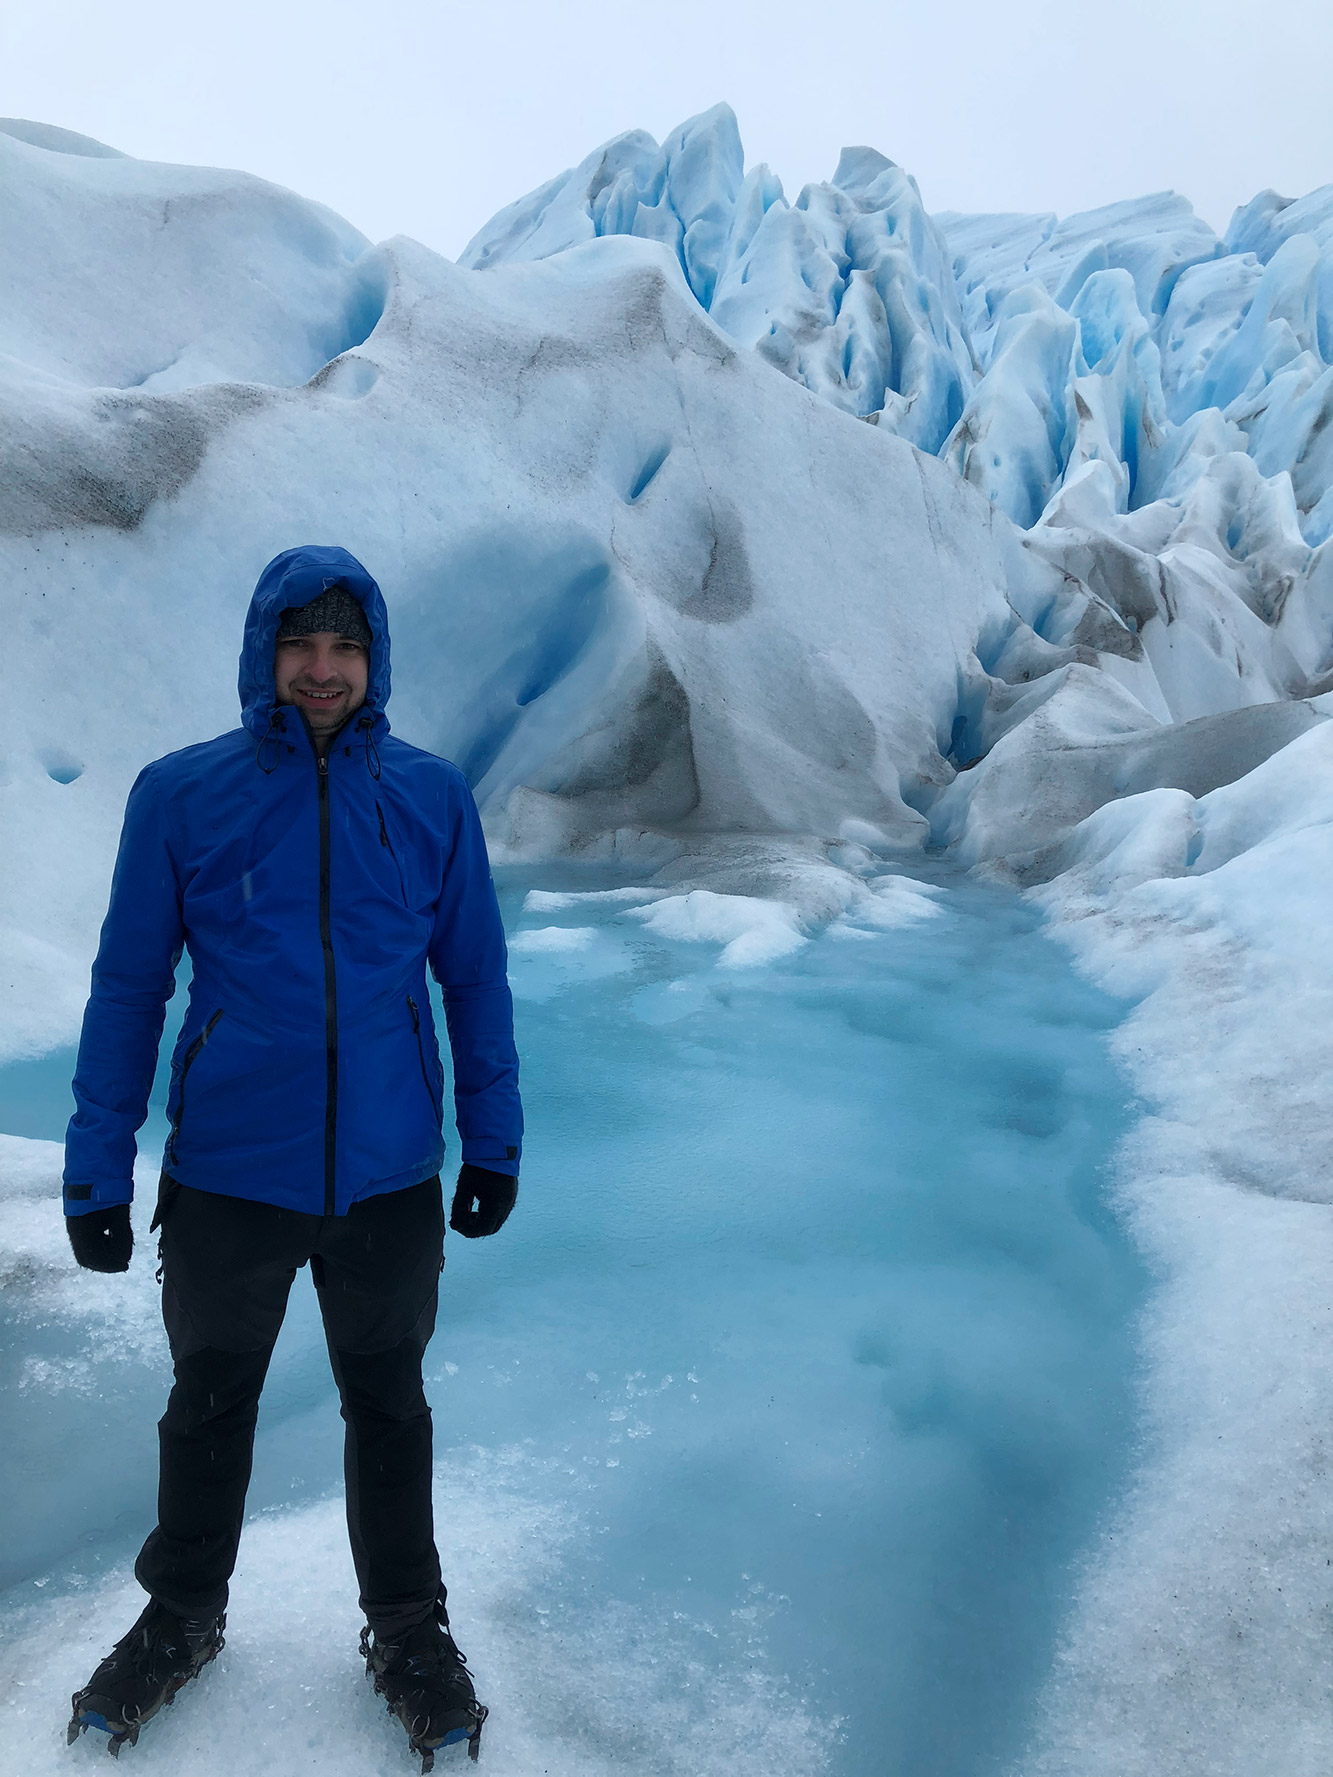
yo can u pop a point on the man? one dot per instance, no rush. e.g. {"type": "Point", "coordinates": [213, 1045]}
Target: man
{"type": "Point", "coordinates": [313, 865]}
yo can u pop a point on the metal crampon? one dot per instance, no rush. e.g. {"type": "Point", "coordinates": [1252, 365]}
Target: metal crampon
{"type": "Point", "coordinates": [142, 1674]}
{"type": "Point", "coordinates": [418, 1726]}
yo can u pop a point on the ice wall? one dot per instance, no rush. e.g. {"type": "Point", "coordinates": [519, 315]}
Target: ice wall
{"type": "Point", "coordinates": [1148, 403]}
{"type": "Point", "coordinates": [653, 597]}
{"type": "Point", "coordinates": [646, 592]}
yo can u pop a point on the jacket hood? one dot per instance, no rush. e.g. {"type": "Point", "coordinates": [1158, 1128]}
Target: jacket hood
{"type": "Point", "coordinates": [294, 578]}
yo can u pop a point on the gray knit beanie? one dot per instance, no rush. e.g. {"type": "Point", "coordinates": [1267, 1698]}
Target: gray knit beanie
{"type": "Point", "coordinates": [335, 609]}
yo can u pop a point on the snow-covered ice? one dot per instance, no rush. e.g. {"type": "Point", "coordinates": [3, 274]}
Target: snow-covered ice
{"type": "Point", "coordinates": [751, 550]}
{"type": "Point", "coordinates": [749, 928]}
{"type": "Point", "coordinates": [1212, 1582]}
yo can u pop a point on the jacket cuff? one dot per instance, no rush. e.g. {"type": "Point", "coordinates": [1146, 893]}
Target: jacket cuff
{"type": "Point", "coordinates": [82, 1200]}
{"type": "Point", "coordinates": [493, 1156]}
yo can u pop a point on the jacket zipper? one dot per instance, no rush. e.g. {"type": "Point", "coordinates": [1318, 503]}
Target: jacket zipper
{"type": "Point", "coordinates": [186, 1064]}
{"type": "Point", "coordinates": [421, 1057]}
{"type": "Point", "coordinates": [387, 843]}
{"type": "Point", "coordinates": [330, 995]}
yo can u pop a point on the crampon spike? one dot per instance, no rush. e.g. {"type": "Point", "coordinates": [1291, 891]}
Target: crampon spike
{"type": "Point", "coordinates": [82, 1720]}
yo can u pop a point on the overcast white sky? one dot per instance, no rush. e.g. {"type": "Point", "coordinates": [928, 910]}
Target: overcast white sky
{"type": "Point", "coordinates": [424, 118]}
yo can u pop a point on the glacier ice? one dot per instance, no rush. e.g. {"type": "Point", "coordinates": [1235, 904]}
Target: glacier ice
{"type": "Point", "coordinates": [849, 290]}
{"type": "Point", "coordinates": [752, 550]}
{"type": "Point", "coordinates": [1148, 402]}
{"type": "Point", "coordinates": [1020, 347]}
{"type": "Point", "coordinates": [1211, 1580]}
{"type": "Point", "coordinates": [632, 595]}
{"type": "Point", "coordinates": [716, 621]}
{"type": "Point", "coordinates": [250, 284]}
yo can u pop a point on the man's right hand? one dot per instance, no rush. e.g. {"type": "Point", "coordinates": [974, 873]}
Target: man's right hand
{"type": "Point", "coordinates": [492, 1192]}
{"type": "Point", "coordinates": [103, 1239]}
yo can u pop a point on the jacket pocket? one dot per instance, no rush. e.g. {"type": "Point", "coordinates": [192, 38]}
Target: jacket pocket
{"type": "Point", "coordinates": [387, 843]}
{"type": "Point", "coordinates": [434, 1097]}
{"type": "Point", "coordinates": [191, 1055]}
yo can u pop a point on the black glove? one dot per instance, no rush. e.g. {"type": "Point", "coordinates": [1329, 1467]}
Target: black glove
{"type": "Point", "coordinates": [494, 1193]}
{"type": "Point", "coordinates": [103, 1239]}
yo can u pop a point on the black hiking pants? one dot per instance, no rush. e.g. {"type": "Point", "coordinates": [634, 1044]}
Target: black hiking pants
{"type": "Point", "coordinates": [227, 1267]}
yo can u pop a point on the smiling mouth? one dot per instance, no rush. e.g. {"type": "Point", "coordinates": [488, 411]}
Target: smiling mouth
{"type": "Point", "coordinates": [320, 696]}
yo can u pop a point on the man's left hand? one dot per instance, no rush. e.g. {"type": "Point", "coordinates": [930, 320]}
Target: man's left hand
{"type": "Point", "coordinates": [102, 1239]}
{"type": "Point", "coordinates": [493, 1193]}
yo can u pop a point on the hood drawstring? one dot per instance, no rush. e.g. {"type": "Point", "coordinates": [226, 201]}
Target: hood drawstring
{"type": "Point", "coordinates": [365, 725]}
{"type": "Point", "coordinates": [277, 724]}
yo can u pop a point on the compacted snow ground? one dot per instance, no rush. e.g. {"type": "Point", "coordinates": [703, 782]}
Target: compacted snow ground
{"type": "Point", "coordinates": [769, 1432]}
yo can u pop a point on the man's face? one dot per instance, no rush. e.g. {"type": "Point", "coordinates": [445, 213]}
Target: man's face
{"type": "Point", "coordinates": [322, 675]}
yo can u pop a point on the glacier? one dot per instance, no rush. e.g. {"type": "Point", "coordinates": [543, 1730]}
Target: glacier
{"type": "Point", "coordinates": [769, 556]}
{"type": "Point", "coordinates": [1021, 349]}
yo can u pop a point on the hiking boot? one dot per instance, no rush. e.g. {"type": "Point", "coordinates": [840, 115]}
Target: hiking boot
{"type": "Point", "coordinates": [143, 1671]}
{"type": "Point", "coordinates": [425, 1682]}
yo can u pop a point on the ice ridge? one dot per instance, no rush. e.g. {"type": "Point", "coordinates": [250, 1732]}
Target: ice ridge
{"type": "Point", "coordinates": [1019, 348]}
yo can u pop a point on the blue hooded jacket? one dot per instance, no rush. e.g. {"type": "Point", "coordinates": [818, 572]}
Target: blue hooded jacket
{"type": "Point", "coordinates": [311, 896]}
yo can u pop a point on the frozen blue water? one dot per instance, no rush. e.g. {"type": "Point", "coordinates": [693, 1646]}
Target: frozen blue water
{"type": "Point", "coordinates": [813, 1328]}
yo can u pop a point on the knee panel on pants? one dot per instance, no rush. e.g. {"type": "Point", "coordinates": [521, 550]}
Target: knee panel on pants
{"type": "Point", "coordinates": [216, 1389]}
{"type": "Point", "coordinates": [382, 1385]}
